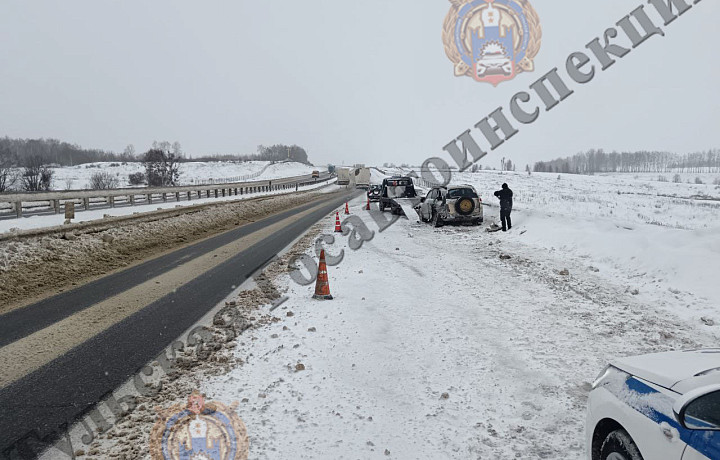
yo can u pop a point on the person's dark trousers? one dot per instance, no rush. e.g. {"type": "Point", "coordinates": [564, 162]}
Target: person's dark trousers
{"type": "Point", "coordinates": [505, 219]}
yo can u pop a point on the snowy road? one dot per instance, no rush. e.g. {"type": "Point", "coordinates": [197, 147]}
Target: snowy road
{"type": "Point", "coordinates": [79, 345]}
{"type": "Point", "coordinates": [436, 347]}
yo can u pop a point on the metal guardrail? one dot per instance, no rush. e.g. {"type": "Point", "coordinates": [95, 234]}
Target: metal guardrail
{"type": "Point", "coordinates": [54, 200]}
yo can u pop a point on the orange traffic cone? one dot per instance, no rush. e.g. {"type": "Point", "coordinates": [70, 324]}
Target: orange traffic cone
{"type": "Point", "coordinates": [347, 208]}
{"type": "Point", "coordinates": [338, 227]}
{"type": "Point", "coordinates": [322, 286]}
{"type": "Point", "coordinates": [367, 208]}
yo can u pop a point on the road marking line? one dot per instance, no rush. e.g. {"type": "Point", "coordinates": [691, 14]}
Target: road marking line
{"type": "Point", "coordinates": [28, 354]}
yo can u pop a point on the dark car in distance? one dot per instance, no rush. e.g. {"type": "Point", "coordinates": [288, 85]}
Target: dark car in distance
{"type": "Point", "coordinates": [374, 192]}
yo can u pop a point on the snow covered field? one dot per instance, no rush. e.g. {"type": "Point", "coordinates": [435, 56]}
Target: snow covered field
{"type": "Point", "coordinates": [514, 344]}
{"type": "Point", "coordinates": [443, 343]}
{"type": "Point", "coordinates": [657, 239]}
{"type": "Point", "coordinates": [457, 343]}
{"type": "Point", "coordinates": [78, 177]}
{"type": "Point", "coordinates": [653, 238]}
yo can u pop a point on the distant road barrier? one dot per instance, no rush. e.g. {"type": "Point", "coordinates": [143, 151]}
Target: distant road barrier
{"type": "Point", "coordinates": [15, 204]}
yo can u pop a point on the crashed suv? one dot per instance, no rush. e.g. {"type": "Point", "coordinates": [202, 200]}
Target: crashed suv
{"type": "Point", "coordinates": [455, 204]}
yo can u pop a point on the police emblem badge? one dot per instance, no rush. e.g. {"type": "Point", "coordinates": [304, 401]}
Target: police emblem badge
{"type": "Point", "coordinates": [199, 430]}
{"type": "Point", "coordinates": [492, 40]}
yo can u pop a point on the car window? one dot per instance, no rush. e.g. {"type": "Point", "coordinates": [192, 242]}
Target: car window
{"type": "Point", "coordinates": [462, 193]}
{"type": "Point", "coordinates": [401, 191]}
{"type": "Point", "coordinates": [704, 412]}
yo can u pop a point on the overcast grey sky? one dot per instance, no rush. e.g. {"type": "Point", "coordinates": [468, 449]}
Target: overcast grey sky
{"type": "Point", "coordinates": [351, 81]}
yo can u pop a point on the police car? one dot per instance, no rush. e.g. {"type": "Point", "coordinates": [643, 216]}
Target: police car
{"type": "Point", "coordinates": [663, 406]}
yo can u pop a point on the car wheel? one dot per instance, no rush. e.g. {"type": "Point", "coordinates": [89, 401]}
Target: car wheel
{"type": "Point", "coordinates": [618, 445]}
{"type": "Point", "coordinates": [436, 220]}
{"type": "Point", "coordinates": [381, 206]}
{"type": "Point", "coordinates": [464, 206]}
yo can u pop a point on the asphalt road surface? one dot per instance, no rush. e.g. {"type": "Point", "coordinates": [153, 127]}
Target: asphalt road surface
{"type": "Point", "coordinates": [137, 312]}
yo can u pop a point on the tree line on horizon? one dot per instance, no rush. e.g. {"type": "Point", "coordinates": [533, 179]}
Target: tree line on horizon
{"type": "Point", "coordinates": [599, 161]}
{"type": "Point", "coordinates": [27, 164]}
{"type": "Point", "coordinates": [57, 153]}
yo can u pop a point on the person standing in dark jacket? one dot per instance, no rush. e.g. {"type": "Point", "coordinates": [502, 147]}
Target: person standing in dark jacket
{"type": "Point", "coordinates": [506, 202]}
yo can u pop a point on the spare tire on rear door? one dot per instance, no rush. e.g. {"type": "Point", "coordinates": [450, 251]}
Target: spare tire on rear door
{"type": "Point", "coordinates": [465, 206]}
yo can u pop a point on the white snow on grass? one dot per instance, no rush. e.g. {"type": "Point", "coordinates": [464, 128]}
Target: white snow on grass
{"type": "Point", "coordinates": [193, 172]}
{"type": "Point", "coordinates": [656, 239]}
{"type": "Point", "coordinates": [435, 347]}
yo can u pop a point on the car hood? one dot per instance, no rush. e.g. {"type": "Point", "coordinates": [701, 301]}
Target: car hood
{"type": "Point", "coordinates": [680, 371]}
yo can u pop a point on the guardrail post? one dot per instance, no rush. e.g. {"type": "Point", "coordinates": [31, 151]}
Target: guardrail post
{"type": "Point", "coordinates": [18, 208]}
{"type": "Point", "coordinates": [216, 193]}
{"type": "Point", "coordinates": [111, 201]}
{"type": "Point", "coordinates": [297, 186]}
{"type": "Point", "coordinates": [56, 206]}
{"type": "Point", "coordinates": [177, 196]}
{"type": "Point", "coordinates": [189, 196]}
{"type": "Point", "coordinates": [149, 198]}
{"type": "Point", "coordinates": [223, 192]}
{"type": "Point", "coordinates": [131, 199]}
{"type": "Point", "coordinates": [164, 196]}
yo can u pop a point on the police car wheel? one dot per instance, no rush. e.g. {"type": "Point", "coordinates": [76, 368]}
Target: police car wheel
{"type": "Point", "coordinates": [618, 445]}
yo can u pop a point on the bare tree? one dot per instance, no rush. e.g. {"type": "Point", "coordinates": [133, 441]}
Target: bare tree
{"type": "Point", "coordinates": [103, 181]}
{"type": "Point", "coordinates": [129, 151]}
{"type": "Point", "coordinates": [36, 175]}
{"type": "Point", "coordinates": [8, 173]}
{"type": "Point", "coordinates": [177, 149]}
